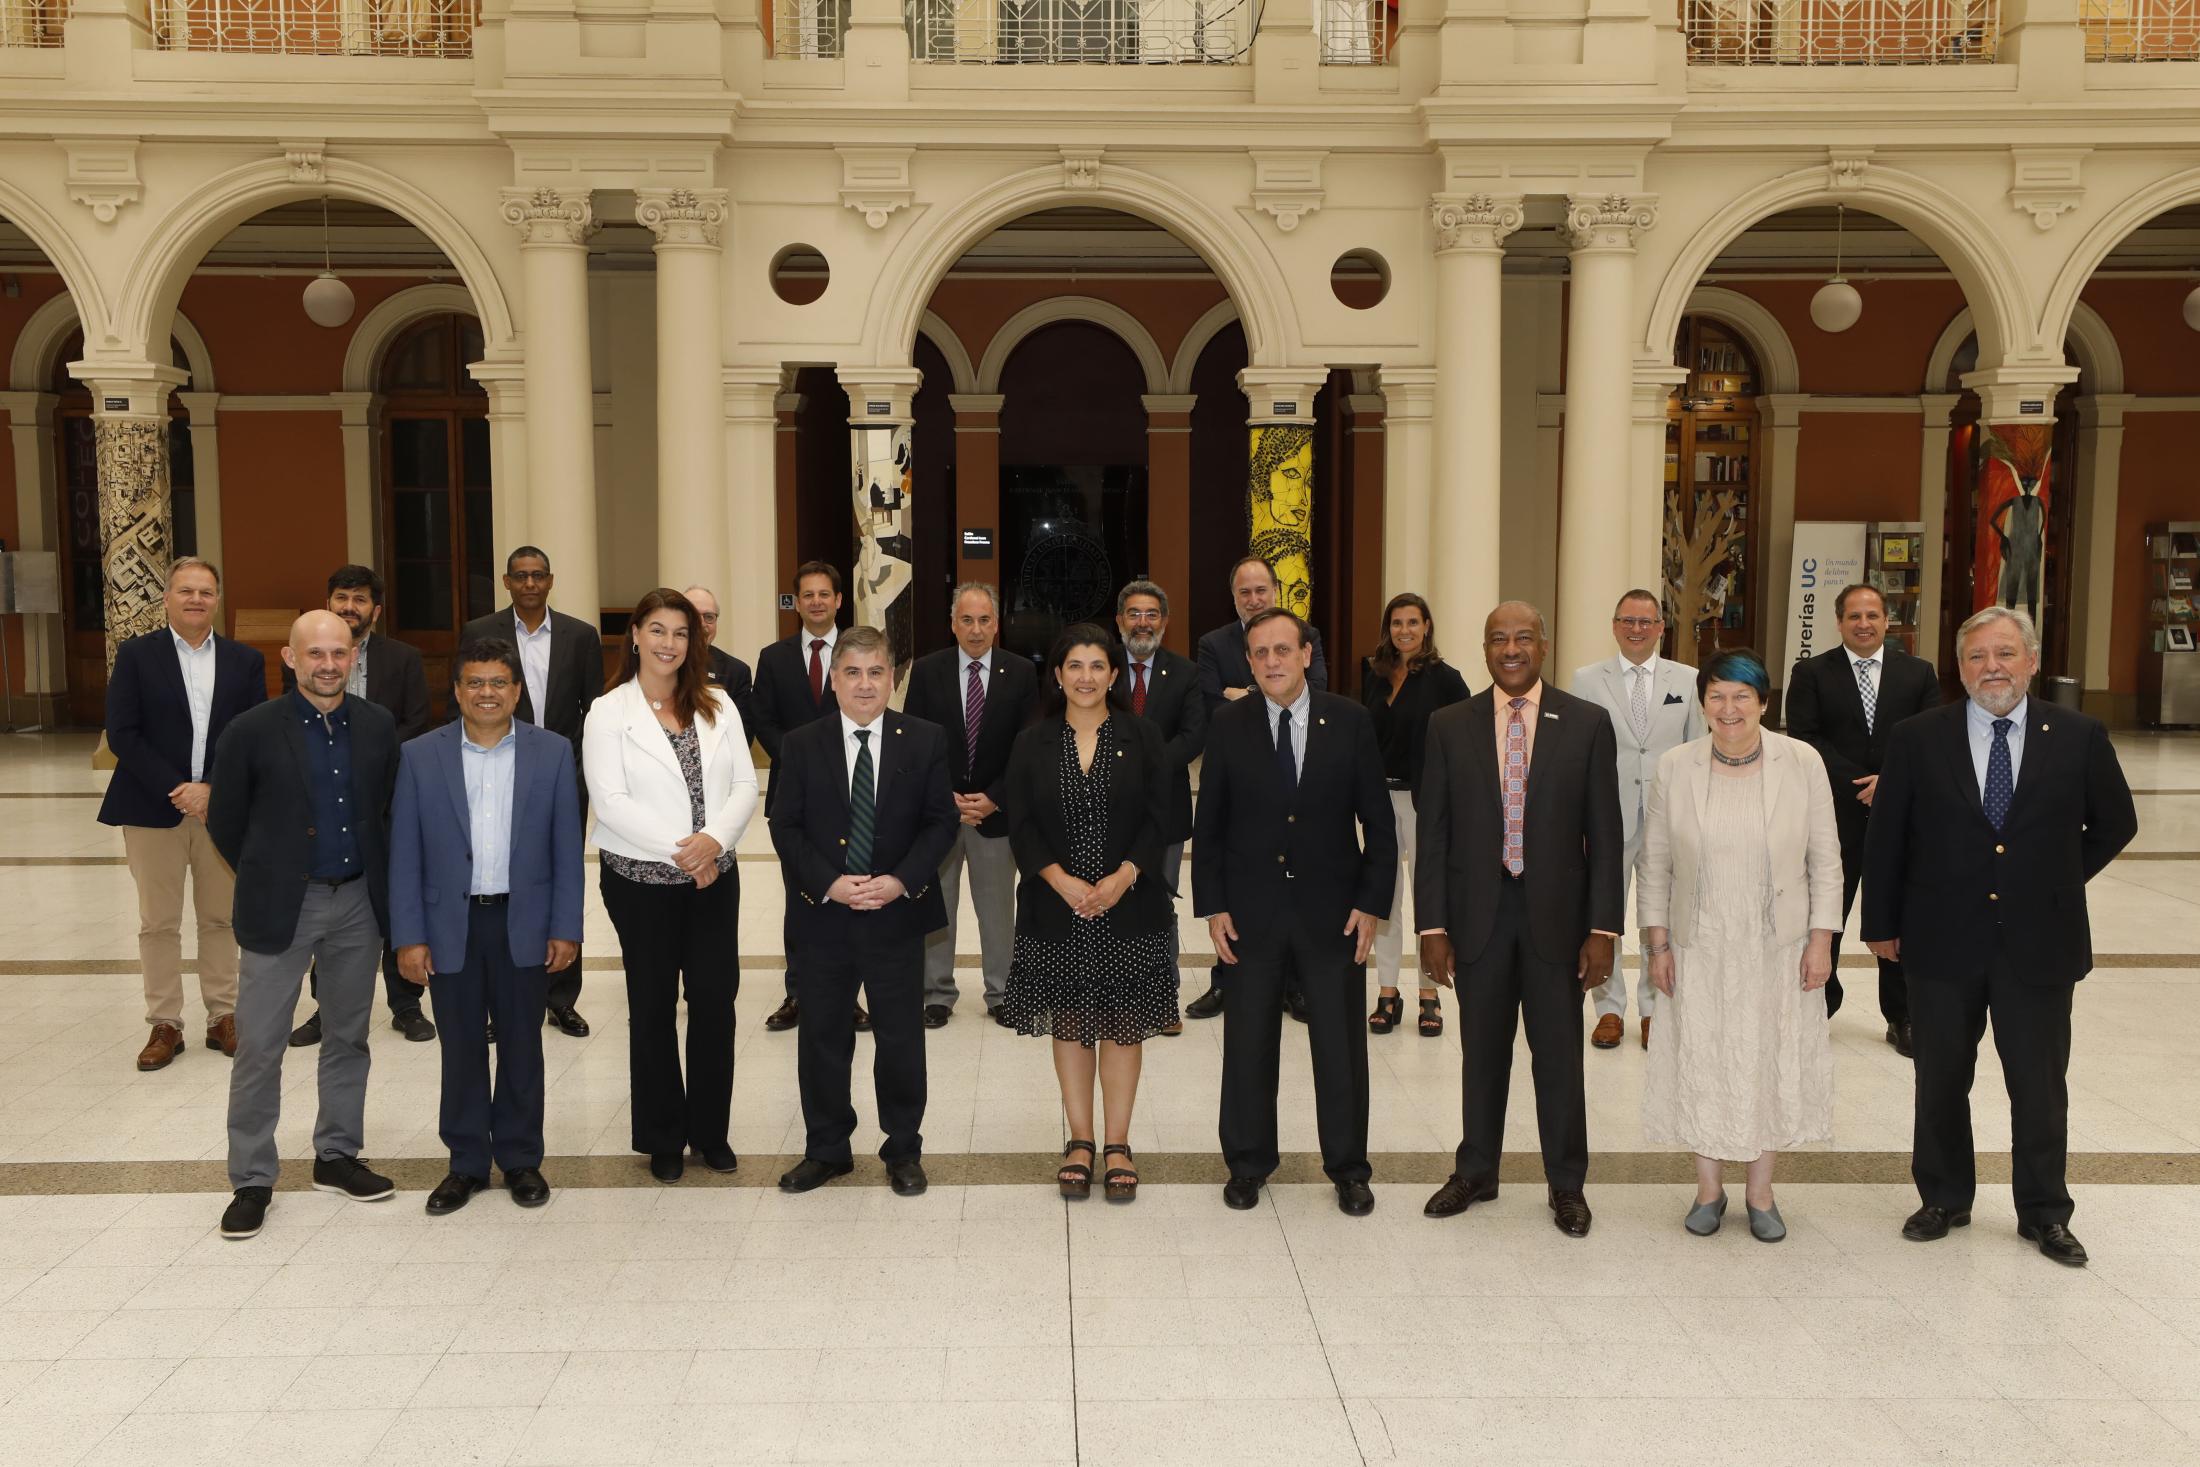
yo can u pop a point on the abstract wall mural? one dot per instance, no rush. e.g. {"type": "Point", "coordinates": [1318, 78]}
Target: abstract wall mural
{"type": "Point", "coordinates": [2009, 566]}
{"type": "Point", "coordinates": [884, 567]}
{"type": "Point", "coordinates": [134, 525]}
{"type": "Point", "coordinates": [1279, 509]}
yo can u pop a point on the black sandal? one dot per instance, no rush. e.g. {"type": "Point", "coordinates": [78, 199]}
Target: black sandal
{"type": "Point", "coordinates": [1075, 1178]}
{"type": "Point", "coordinates": [1432, 1018]}
{"type": "Point", "coordinates": [1122, 1182]}
{"type": "Point", "coordinates": [1390, 1012]}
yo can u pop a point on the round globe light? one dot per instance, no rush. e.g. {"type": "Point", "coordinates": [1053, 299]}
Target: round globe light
{"type": "Point", "coordinates": [1836, 306]}
{"type": "Point", "coordinates": [2192, 309]}
{"type": "Point", "coordinates": [328, 301]}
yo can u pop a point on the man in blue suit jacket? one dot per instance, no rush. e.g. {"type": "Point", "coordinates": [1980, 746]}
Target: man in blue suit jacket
{"type": "Point", "coordinates": [485, 904]}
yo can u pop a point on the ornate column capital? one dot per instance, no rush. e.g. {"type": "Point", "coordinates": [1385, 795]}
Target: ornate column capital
{"type": "Point", "coordinates": [681, 216]}
{"type": "Point", "coordinates": [1608, 221]}
{"type": "Point", "coordinates": [548, 216]}
{"type": "Point", "coordinates": [1473, 221]}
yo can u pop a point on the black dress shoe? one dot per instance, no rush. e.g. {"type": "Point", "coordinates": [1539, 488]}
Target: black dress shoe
{"type": "Point", "coordinates": [809, 1174]}
{"type": "Point", "coordinates": [1242, 1194]}
{"type": "Point", "coordinates": [1458, 1194]}
{"type": "Point", "coordinates": [527, 1187]}
{"type": "Point", "coordinates": [566, 1021]}
{"type": "Point", "coordinates": [350, 1176]}
{"type": "Point", "coordinates": [936, 1015]}
{"type": "Point", "coordinates": [785, 1017]}
{"type": "Point", "coordinates": [2055, 1241]}
{"type": "Point", "coordinates": [719, 1157]}
{"type": "Point", "coordinates": [668, 1166]}
{"type": "Point", "coordinates": [907, 1177]}
{"type": "Point", "coordinates": [1294, 1004]}
{"type": "Point", "coordinates": [413, 1024]}
{"type": "Point", "coordinates": [863, 1020]}
{"type": "Point", "coordinates": [308, 1033]}
{"type": "Point", "coordinates": [998, 1013]}
{"type": "Point", "coordinates": [246, 1212]}
{"type": "Point", "coordinates": [454, 1192]}
{"type": "Point", "coordinates": [1206, 1006]}
{"type": "Point", "coordinates": [1929, 1224]}
{"type": "Point", "coordinates": [1898, 1035]}
{"type": "Point", "coordinates": [1355, 1199]}
{"type": "Point", "coordinates": [1570, 1213]}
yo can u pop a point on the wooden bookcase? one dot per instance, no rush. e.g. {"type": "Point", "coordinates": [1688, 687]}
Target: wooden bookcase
{"type": "Point", "coordinates": [1713, 532]}
{"type": "Point", "coordinates": [2169, 658]}
{"type": "Point", "coordinates": [1894, 556]}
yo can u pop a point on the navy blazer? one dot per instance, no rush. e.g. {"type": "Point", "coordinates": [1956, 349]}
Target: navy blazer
{"type": "Point", "coordinates": [432, 839]}
{"type": "Point", "coordinates": [1011, 699]}
{"type": "Point", "coordinates": [782, 700]}
{"type": "Point", "coordinates": [149, 723]}
{"type": "Point", "coordinates": [732, 674]}
{"type": "Point", "coordinates": [1222, 663]}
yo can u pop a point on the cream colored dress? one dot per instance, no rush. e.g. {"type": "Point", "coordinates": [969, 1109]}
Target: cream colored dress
{"type": "Point", "coordinates": [1741, 1061]}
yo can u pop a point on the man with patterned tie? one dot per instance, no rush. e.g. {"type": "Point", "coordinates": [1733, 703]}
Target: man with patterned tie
{"type": "Point", "coordinates": [1991, 816]}
{"type": "Point", "coordinates": [863, 818]}
{"type": "Point", "coordinates": [1162, 687]}
{"type": "Point", "coordinates": [1519, 890]}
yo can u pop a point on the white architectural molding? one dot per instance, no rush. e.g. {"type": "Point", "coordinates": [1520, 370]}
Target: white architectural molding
{"type": "Point", "coordinates": [371, 338]}
{"type": "Point", "coordinates": [1845, 167]}
{"type": "Point", "coordinates": [1608, 221]}
{"type": "Point", "coordinates": [2093, 547]}
{"type": "Point", "coordinates": [2086, 337]}
{"type": "Point", "coordinates": [2062, 303]}
{"type": "Point", "coordinates": [1474, 221]}
{"type": "Point", "coordinates": [875, 182]}
{"type": "Point", "coordinates": [1112, 318]}
{"type": "Point", "coordinates": [681, 215]}
{"type": "Point", "coordinates": [307, 161]}
{"type": "Point", "coordinates": [360, 519]}
{"type": "Point", "coordinates": [2044, 182]}
{"type": "Point", "coordinates": [1081, 167]}
{"type": "Point", "coordinates": [38, 345]}
{"type": "Point", "coordinates": [1197, 338]}
{"type": "Point", "coordinates": [1827, 402]}
{"type": "Point", "coordinates": [1287, 185]}
{"type": "Point", "coordinates": [203, 409]}
{"type": "Point", "coordinates": [103, 174]}
{"type": "Point", "coordinates": [1759, 329]}
{"type": "Point", "coordinates": [962, 376]}
{"type": "Point", "coordinates": [60, 248]}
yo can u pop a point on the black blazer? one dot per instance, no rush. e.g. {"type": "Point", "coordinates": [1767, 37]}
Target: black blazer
{"type": "Point", "coordinates": [1319, 854]}
{"type": "Point", "coordinates": [576, 671]}
{"type": "Point", "coordinates": [783, 702]}
{"type": "Point", "coordinates": [732, 674]}
{"type": "Point", "coordinates": [396, 680]}
{"type": "Point", "coordinates": [1938, 876]}
{"type": "Point", "coordinates": [1574, 860]}
{"type": "Point", "coordinates": [1825, 711]}
{"type": "Point", "coordinates": [1401, 723]}
{"type": "Point", "coordinates": [1038, 832]}
{"type": "Point", "coordinates": [1178, 712]}
{"type": "Point", "coordinates": [149, 723]}
{"type": "Point", "coordinates": [915, 824]}
{"type": "Point", "coordinates": [1222, 664]}
{"type": "Point", "coordinates": [1012, 695]}
{"type": "Point", "coordinates": [261, 814]}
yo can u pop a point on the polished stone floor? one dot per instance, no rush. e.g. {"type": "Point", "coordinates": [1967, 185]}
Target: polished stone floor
{"type": "Point", "coordinates": [988, 1321]}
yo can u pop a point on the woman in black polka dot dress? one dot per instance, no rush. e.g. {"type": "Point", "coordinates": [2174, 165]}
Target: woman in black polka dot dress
{"type": "Point", "coordinates": [1094, 970]}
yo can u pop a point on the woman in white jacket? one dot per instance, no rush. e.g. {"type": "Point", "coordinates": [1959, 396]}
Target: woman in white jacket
{"type": "Point", "coordinates": [672, 786]}
{"type": "Point", "coordinates": [1740, 898]}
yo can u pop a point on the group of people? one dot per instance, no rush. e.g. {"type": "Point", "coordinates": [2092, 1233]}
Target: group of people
{"type": "Point", "coordinates": [334, 831]}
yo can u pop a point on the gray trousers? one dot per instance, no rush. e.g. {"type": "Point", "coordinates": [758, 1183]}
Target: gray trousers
{"type": "Point", "coordinates": [1611, 994]}
{"type": "Point", "coordinates": [336, 930]}
{"type": "Point", "coordinates": [993, 895]}
{"type": "Point", "coordinates": [1172, 866]}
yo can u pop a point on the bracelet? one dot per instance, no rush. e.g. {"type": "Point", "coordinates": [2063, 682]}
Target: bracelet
{"type": "Point", "coordinates": [1658, 952]}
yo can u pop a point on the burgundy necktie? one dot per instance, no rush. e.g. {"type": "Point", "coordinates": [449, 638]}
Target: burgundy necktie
{"type": "Point", "coordinates": [973, 712]}
{"type": "Point", "coordinates": [1138, 689]}
{"type": "Point", "coordinates": [817, 670]}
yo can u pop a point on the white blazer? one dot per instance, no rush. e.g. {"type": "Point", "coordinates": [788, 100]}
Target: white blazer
{"type": "Point", "coordinates": [634, 780]}
{"type": "Point", "coordinates": [1675, 718]}
{"type": "Point", "coordinates": [1802, 840]}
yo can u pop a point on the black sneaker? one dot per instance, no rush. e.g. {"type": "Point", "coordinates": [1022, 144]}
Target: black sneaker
{"type": "Point", "coordinates": [308, 1033]}
{"type": "Point", "coordinates": [246, 1212]}
{"type": "Point", "coordinates": [348, 1176]}
{"type": "Point", "coordinates": [413, 1024]}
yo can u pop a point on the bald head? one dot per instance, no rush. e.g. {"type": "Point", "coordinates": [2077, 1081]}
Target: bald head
{"type": "Point", "coordinates": [1514, 643]}
{"type": "Point", "coordinates": [706, 610]}
{"type": "Point", "coordinates": [320, 654]}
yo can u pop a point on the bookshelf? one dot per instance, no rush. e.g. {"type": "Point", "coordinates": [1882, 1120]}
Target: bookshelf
{"type": "Point", "coordinates": [1894, 565]}
{"type": "Point", "coordinates": [1712, 535]}
{"type": "Point", "coordinates": [2169, 658]}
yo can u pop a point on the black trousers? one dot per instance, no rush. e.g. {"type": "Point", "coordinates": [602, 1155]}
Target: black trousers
{"type": "Point", "coordinates": [480, 1124]}
{"type": "Point", "coordinates": [670, 934]}
{"type": "Point", "coordinates": [401, 996]}
{"type": "Point", "coordinates": [1894, 988]}
{"type": "Point", "coordinates": [565, 987]}
{"type": "Point", "coordinates": [891, 971]}
{"type": "Point", "coordinates": [1508, 985]}
{"type": "Point", "coordinates": [1291, 954]}
{"type": "Point", "coordinates": [2032, 1036]}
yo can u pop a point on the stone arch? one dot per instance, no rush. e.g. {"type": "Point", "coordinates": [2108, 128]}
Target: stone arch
{"type": "Point", "coordinates": [1111, 318]}
{"type": "Point", "coordinates": [1980, 262]}
{"type": "Point", "coordinates": [2059, 313]}
{"type": "Point", "coordinates": [2100, 360]}
{"type": "Point", "coordinates": [47, 328]}
{"type": "Point", "coordinates": [962, 376]}
{"type": "Point", "coordinates": [77, 278]}
{"type": "Point", "coordinates": [371, 338]}
{"type": "Point", "coordinates": [1196, 340]}
{"type": "Point", "coordinates": [1759, 328]}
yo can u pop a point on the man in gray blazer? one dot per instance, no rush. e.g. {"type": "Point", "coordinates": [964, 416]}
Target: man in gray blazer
{"type": "Point", "coordinates": [1652, 701]}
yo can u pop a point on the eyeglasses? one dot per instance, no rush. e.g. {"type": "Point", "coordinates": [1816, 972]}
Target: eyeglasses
{"type": "Point", "coordinates": [487, 685]}
{"type": "Point", "coordinates": [527, 578]}
{"type": "Point", "coordinates": [1636, 623]}
{"type": "Point", "coordinates": [1142, 618]}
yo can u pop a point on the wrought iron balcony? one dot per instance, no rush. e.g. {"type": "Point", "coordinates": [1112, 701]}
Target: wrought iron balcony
{"type": "Point", "coordinates": [32, 23]}
{"type": "Point", "coordinates": [1080, 32]}
{"type": "Point", "coordinates": [2140, 30]}
{"type": "Point", "coordinates": [318, 27]}
{"type": "Point", "coordinates": [1842, 32]}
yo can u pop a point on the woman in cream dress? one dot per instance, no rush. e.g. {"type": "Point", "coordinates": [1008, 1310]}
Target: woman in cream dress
{"type": "Point", "coordinates": [1740, 882]}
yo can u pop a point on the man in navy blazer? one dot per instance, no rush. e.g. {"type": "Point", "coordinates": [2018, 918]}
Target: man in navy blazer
{"type": "Point", "coordinates": [485, 904]}
{"type": "Point", "coordinates": [171, 695]}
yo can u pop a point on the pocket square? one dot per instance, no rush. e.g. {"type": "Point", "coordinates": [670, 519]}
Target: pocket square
{"type": "Point", "coordinates": [1671, 699]}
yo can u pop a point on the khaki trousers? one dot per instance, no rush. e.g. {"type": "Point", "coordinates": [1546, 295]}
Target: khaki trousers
{"type": "Point", "coordinates": [159, 860]}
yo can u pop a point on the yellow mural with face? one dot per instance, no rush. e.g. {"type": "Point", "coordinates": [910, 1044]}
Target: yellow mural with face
{"type": "Point", "coordinates": [1279, 509]}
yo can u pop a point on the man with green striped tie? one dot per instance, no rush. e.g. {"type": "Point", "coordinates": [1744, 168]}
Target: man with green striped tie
{"type": "Point", "coordinates": [862, 816]}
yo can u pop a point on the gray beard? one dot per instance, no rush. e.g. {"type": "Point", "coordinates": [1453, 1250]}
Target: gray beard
{"type": "Point", "coordinates": [1997, 703]}
{"type": "Point", "coordinates": [1142, 647]}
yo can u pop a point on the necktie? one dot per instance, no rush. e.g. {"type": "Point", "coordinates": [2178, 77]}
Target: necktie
{"type": "Point", "coordinates": [1638, 704]}
{"type": "Point", "coordinates": [862, 807]}
{"type": "Point", "coordinates": [1285, 761]}
{"type": "Point", "coordinates": [817, 669]}
{"type": "Point", "coordinates": [1516, 787]}
{"type": "Point", "coordinates": [2001, 778]}
{"type": "Point", "coordinates": [1138, 689]}
{"type": "Point", "coordinates": [973, 712]}
{"type": "Point", "coordinates": [1865, 690]}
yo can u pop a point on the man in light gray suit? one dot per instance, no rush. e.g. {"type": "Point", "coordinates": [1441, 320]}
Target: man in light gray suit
{"type": "Point", "coordinates": [1652, 701]}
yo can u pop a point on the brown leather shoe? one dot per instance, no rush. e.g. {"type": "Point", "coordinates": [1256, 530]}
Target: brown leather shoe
{"type": "Point", "coordinates": [162, 1048]}
{"type": "Point", "coordinates": [1645, 1031]}
{"type": "Point", "coordinates": [1608, 1032]}
{"type": "Point", "coordinates": [785, 1017]}
{"type": "Point", "coordinates": [221, 1034]}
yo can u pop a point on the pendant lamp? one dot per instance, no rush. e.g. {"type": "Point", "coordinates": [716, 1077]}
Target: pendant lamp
{"type": "Point", "coordinates": [2192, 309]}
{"type": "Point", "coordinates": [328, 301]}
{"type": "Point", "coordinates": [1837, 306]}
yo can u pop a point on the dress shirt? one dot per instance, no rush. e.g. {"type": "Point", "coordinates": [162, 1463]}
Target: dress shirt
{"type": "Point", "coordinates": [963, 663]}
{"type": "Point", "coordinates": [489, 774]}
{"type": "Point", "coordinates": [1980, 725]}
{"type": "Point", "coordinates": [1530, 716]}
{"type": "Point", "coordinates": [534, 662]}
{"type": "Point", "coordinates": [877, 729]}
{"type": "Point", "coordinates": [197, 664]}
{"type": "Point", "coordinates": [333, 851]}
{"type": "Point", "coordinates": [1878, 660]}
{"type": "Point", "coordinates": [1299, 711]}
{"type": "Point", "coordinates": [356, 684]}
{"type": "Point", "coordinates": [1648, 667]}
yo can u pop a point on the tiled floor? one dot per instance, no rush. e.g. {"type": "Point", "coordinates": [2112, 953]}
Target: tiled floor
{"type": "Point", "coordinates": [993, 1323]}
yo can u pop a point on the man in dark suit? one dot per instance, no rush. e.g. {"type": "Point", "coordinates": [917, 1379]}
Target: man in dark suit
{"type": "Point", "coordinates": [389, 674]}
{"type": "Point", "coordinates": [562, 657]}
{"type": "Point", "coordinates": [301, 812]}
{"type": "Point", "coordinates": [1844, 702]}
{"type": "Point", "coordinates": [1294, 862]}
{"type": "Point", "coordinates": [863, 819]}
{"type": "Point", "coordinates": [1162, 687]}
{"type": "Point", "coordinates": [170, 697]}
{"type": "Point", "coordinates": [1991, 816]}
{"type": "Point", "coordinates": [794, 686]}
{"type": "Point", "coordinates": [1519, 888]}
{"type": "Point", "coordinates": [948, 687]}
{"type": "Point", "coordinates": [1224, 677]}
{"type": "Point", "coordinates": [726, 670]}
{"type": "Point", "coordinates": [486, 885]}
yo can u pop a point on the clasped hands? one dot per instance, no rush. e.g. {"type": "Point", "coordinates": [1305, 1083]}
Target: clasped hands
{"type": "Point", "coordinates": [416, 967]}
{"type": "Point", "coordinates": [865, 893]}
{"type": "Point", "coordinates": [975, 809]}
{"type": "Point", "coordinates": [190, 798]}
{"type": "Point", "coordinates": [1088, 899]}
{"type": "Point", "coordinates": [1359, 926]}
{"type": "Point", "coordinates": [698, 855]}
{"type": "Point", "coordinates": [1440, 961]}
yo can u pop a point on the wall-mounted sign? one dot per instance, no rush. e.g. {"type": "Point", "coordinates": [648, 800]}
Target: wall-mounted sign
{"type": "Point", "coordinates": [114, 404]}
{"type": "Point", "coordinates": [1284, 409]}
{"type": "Point", "coordinates": [2031, 408]}
{"type": "Point", "coordinates": [786, 600]}
{"type": "Point", "coordinates": [978, 544]}
{"type": "Point", "coordinates": [878, 409]}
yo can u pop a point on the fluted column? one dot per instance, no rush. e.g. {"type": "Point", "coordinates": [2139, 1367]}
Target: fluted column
{"type": "Point", "coordinates": [749, 532]}
{"type": "Point", "coordinates": [1470, 259]}
{"type": "Point", "coordinates": [136, 533]}
{"type": "Point", "coordinates": [554, 226]}
{"type": "Point", "coordinates": [691, 407]}
{"type": "Point", "coordinates": [1594, 560]}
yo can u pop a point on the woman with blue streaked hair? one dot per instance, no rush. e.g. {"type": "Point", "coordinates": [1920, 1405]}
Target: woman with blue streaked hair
{"type": "Point", "coordinates": [1740, 898]}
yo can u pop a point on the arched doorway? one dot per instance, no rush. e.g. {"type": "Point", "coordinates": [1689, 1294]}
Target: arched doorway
{"type": "Point", "coordinates": [434, 483]}
{"type": "Point", "coordinates": [1714, 520]}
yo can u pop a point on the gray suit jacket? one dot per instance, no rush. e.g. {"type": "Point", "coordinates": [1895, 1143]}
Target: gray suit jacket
{"type": "Point", "coordinates": [1675, 718]}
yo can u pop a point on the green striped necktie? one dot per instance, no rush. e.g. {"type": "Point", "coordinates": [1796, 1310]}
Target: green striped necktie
{"type": "Point", "coordinates": [862, 807]}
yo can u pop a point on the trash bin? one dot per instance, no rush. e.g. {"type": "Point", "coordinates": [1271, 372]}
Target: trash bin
{"type": "Point", "coordinates": [2064, 692]}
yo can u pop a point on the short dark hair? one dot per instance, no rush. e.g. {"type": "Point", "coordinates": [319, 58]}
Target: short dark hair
{"type": "Point", "coordinates": [1277, 613]}
{"type": "Point", "coordinates": [1260, 560]}
{"type": "Point", "coordinates": [1841, 601]}
{"type": "Point", "coordinates": [527, 552]}
{"type": "Point", "coordinates": [1735, 665]}
{"type": "Point", "coordinates": [354, 578]}
{"type": "Point", "coordinates": [823, 568]}
{"type": "Point", "coordinates": [1638, 594]}
{"type": "Point", "coordinates": [488, 649]}
{"type": "Point", "coordinates": [1052, 699]}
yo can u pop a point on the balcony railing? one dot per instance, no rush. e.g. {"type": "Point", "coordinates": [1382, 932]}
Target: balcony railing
{"type": "Point", "coordinates": [1080, 32]}
{"type": "Point", "coordinates": [808, 30]}
{"type": "Point", "coordinates": [32, 23]}
{"type": "Point", "coordinates": [1355, 32]}
{"type": "Point", "coordinates": [1842, 32]}
{"type": "Point", "coordinates": [318, 27]}
{"type": "Point", "coordinates": [2140, 30]}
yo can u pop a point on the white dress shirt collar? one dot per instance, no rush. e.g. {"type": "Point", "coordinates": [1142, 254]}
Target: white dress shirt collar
{"type": "Point", "coordinates": [1648, 664]}
{"type": "Point", "coordinates": [1878, 659]}
{"type": "Point", "coordinates": [877, 729]}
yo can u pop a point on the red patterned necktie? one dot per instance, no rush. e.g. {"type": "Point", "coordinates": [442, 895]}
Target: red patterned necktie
{"type": "Point", "coordinates": [1138, 689]}
{"type": "Point", "coordinates": [817, 670]}
{"type": "Point", "coordinates": [1516, 787]}
{"type": "Point", "coordinates": [973, 713]}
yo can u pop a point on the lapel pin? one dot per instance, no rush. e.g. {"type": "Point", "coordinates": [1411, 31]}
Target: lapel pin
{"type": "Point", "coordinates": [1551, 716]}
{"type": "Point", "coordinates": [1323, 722]}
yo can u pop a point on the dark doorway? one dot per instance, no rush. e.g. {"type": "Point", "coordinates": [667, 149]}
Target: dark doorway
{"type": "Point", "coordinates": [1073, 535]}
